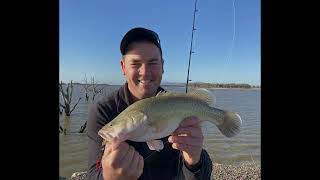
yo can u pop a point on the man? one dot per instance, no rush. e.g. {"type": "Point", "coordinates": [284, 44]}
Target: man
{"type": "Point", "coordinates": [182, 156]}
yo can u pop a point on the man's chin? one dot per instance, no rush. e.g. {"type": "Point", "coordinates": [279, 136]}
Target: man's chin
{"type": "Point", "coordinates": [146, 87]}
{"type": "Point", "coordinates": [147, 91]}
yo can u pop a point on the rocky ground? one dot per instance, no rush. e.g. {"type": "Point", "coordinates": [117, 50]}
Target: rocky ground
{"type": "Point", "coordinates": [241, 171]}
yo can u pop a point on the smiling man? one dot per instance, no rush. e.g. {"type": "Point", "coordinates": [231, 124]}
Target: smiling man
{"type": "Point", "coordinates": [142, 66]}
{"type": "Point", "coordinates": [182, 158]}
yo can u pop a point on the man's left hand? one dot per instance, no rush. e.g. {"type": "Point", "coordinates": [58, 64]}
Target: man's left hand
{"type": "Point", "coordinates": [188, 138]}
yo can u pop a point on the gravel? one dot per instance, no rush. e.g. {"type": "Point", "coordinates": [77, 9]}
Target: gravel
{"type": "Point", "coordinates": [242, 171]}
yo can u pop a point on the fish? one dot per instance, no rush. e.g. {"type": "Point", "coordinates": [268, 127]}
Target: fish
{"type": "Point", "coordinates": [150, 119]}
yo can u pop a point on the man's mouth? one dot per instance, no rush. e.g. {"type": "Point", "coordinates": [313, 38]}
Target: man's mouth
{"type": "Point", "coordinates": [144, 81]}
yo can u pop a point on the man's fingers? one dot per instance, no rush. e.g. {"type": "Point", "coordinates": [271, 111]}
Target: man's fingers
{"type": "Point", "coordinates": [186, 140]}
{"type": "Point", "coordinates": [127, 159]}
{"type": "Point", "coordinates": [190, 131]}
{"type": "Point", "coordinates": [140, 166]}
{"type": "Point", "coordinates": [107, 150]}
{"type": "Point", "coordinates": [189, 121]}
{"type": "Point", "coordinates": [118, 154]}
{"type": "Point", "coordinates": [133, 169]}
{"type": "Point", "coordinates": [185, 147]}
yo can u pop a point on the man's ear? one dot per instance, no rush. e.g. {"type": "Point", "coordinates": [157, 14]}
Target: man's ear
{"type": "Point", "coordinates": [123, 67]}
{"type": "Point", "coordinates": [162, 66]}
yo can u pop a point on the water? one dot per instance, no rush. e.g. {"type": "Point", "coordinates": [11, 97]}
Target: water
{"type": "Point", "coordinates": [243, 147]}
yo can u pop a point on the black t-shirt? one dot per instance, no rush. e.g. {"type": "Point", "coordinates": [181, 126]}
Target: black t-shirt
{"type": "Point", "coordinates": [166, 164]}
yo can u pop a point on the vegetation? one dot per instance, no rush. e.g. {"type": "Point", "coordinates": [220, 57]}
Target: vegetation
{"type": "Point", "coordinates": [218, 85]}
{"type": "Point", "coordinates": [94, 88]}
{"type": "Point", "coordinates": [67, 99]}
{"type": "Point", "coordinates": [83, 127]}
{"type": "Point", "coordinates": [86, 87]}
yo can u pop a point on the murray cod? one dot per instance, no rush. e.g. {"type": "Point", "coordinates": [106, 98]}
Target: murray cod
{"type": "Point", "coordinates": [153, 118]}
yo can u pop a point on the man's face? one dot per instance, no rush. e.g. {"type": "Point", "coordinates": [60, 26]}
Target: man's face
{"type": "Point", "coordinates": [143, 67]}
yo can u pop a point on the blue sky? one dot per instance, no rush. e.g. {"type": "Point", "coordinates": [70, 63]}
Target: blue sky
{"type": "Point", "coordinates": [226, 45]}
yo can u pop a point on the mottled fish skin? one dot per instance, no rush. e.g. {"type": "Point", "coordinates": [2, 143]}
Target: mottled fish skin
{"type": "Point", "coordinates": [157, 117]}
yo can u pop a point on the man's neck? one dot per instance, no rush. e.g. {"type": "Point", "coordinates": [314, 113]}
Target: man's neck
{"type": "Point", "coordinates": [133, 99]}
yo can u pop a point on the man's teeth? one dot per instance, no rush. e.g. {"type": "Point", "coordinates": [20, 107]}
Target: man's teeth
{"type": "Point", "coordinates": [144, 81]}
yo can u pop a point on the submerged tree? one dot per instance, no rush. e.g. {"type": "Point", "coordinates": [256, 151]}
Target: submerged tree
{"type": "Point", "coordinates": [67, 97]}
{"type": "Point", "coordinates": [62, 130]}
{"type": "Point", "coordinates": [86, 87]}
{"type": "Point", "coordinates": [83, 127]}
{"type": "Point", "coordinates": [94, 88]}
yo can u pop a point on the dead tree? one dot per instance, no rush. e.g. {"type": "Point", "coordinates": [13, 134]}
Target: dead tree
{"type": "Point", "coordinates": [94, 88]}
{"type": "Point", "coordinates": [83, 127]}
{"type": "Point", "coordinates": [86, 87]}
{"type": "Point", "coordinates": [67, 97]}
{"type": "Point", "coordinates": [62, 130]}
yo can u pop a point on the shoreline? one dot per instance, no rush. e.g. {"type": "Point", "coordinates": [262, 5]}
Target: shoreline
{"type": "Point", "coordinates": [245, 170]}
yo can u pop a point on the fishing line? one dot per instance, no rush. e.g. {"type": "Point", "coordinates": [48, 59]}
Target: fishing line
{"type": "Point", "coordinates": [155, 151]}
{"type": "Point", "coordinates": [178, 158]}
{"type": "Point", "coordinates": [233, 37]}
{"type": "Point", "coordinates": [234, 29]}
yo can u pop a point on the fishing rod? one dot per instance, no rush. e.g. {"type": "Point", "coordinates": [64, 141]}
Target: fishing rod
{"type": "Point", "coordinates": [193, 29]}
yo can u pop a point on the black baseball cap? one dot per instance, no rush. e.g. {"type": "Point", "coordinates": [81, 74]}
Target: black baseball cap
{"type": "Point", "coordinates": [139, 34]}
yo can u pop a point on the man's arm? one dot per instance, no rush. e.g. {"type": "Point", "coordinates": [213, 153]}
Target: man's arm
{"type": "Point", "coordinates": [201, 170]}
{"type": "Point", "coordinates": [112, 162]}
{"type": "Point", "coordinates": [188, 138]}
{"type": "Point", "coordinates": [94, 144]}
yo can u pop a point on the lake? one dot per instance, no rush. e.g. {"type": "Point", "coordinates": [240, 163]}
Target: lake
{"type": "Point", "coordinates": [73, 150]}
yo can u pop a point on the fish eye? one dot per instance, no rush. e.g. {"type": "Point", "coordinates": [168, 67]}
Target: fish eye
{"type": "Point", "coordinates": [110, 124]}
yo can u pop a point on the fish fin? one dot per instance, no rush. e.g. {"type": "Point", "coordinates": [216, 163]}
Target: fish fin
{"type": "Point", "coordinates": [204, 95]}
{"type": "Point", "coordinates": [166, 93]}
{"type": "Point", "coordinates": [160, 93]}
{"type": "Point", "coordinates": [231, 124]}
{"type": "Point", "coordinates": [155, 145]}
{"type": "Point", "coordinates": [104, 142]}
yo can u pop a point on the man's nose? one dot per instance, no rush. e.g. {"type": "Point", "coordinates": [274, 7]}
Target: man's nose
{"type": "Point", "coordinates": [144, 69]}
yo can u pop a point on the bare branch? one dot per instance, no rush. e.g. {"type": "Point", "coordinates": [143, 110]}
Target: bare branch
{"type": "Point", "coordinates": [67, 97]}
{"type": "Point", "coordinates": [85, 78]}
{"type": "Point", "coordinates": [62, 92]}
{"type": "Point", "coordinates": [99, 91]}
{"type": "Point", "coordinates": [83, 127]}
{"type": "Point", "coordinates": [68, 88]}
{"type": "Point", "coordinates": [62, 105]}
{"type": "Point", "coordinates": [71, 86]}
{"type": "Point", "coordinates": [60, 129]}
{"type": "Point", "coordinates": [60, 85]}
{"type": "Point", "coordinates": [75, 105]}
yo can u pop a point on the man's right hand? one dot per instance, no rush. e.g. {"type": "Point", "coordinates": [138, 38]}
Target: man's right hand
{"type": "Point", "coordinates": [121, 162]}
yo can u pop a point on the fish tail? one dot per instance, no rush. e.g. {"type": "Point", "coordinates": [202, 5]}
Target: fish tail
{"type": "Point", "coordinates": [231, 124]}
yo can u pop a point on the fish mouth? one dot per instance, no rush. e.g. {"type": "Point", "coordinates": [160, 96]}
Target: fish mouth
{"type": "Point", "coordinates": [105, 136]}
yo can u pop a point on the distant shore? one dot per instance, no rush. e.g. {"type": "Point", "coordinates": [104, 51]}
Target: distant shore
{"type": "Point", "coordinates": [247, 170]}
{"type": "Point", "coordinates": [238, 88]}
{"type": "Point", "coordinates": [191, 85]}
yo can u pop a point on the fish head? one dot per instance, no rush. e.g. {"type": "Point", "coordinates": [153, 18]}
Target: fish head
{"type": "Point", "coordinates": [121, 127]}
